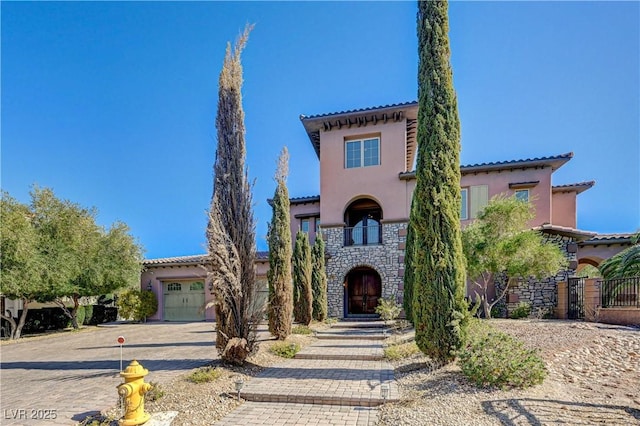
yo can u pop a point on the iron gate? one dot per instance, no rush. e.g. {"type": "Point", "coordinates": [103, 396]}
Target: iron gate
{"type": "Point", "coordinates": [575, 299]}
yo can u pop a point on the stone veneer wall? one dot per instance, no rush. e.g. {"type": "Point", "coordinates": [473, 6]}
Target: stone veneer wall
{"type": "Point", "coordinates": [540, 294]}
{"type": "Point", "coordinates": [387, 259]}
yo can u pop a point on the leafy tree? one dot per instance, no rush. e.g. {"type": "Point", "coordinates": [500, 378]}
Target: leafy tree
{"type": "Point", "coordinates": [279, 274]}
{"type": "Point", "coordinates": [319, 279]}
{"type": "Point", "coordinates": [231, 228]}
{"type": "Point", "coordinates": [74, 256]}
{"type": "Point", "coordinates": [302, 294]}
{"type": "Point", "coordinates": [624, 264]}
{"type": "Point", "coordinates": [438, 307]}
{"type": "Point", "coordinates": [498, 242]}
{"type": "Point", "coordinates": [22, 263]}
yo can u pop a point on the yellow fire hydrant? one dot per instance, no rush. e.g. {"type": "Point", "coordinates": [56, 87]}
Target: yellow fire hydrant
{"type": "Point", "coordinates": [133, 390]}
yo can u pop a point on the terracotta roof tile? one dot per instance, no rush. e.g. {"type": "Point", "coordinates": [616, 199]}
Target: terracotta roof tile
{"type": "Point", "coordinates": [578, 187]}
{"type": "Point", "coordinates": [353, 111]}
{"type": "Point", "coordinates": [192, 259]}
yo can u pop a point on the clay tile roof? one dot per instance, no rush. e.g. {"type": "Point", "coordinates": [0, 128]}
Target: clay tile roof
{"type": "Point", "coordinates": [354, 111]}
{"type": "Point", "coordinates": [177, 260]}
{"type": "Point", "coordinates": [299, 200]}
{"type": "Point", "coordinates": [577, 187]}
{"type": "Point", "coordinates": [567, 231]}
{"type": "Point", "coordinates": [399, 112]}
{"type": "Point", "coordinates": [555, 162]}
{"type": "Point", "coordinates": [622, 238]}
{"type": "Point", "coordinates": [192, 260]}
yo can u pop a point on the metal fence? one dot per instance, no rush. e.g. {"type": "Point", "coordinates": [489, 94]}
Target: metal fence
{"type": "Point", "coordinates": [620, 292]}
{"type": "Point", "coordinates": [575, 299]}
{"type": "Point", "coordinates": [363, 235]}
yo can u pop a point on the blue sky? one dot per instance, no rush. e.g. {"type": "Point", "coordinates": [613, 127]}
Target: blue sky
{"type": "Point", "coordinates": [113, 104]}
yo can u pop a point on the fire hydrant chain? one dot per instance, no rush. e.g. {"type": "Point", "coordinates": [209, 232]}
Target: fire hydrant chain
{"type": "Point", "coordinates": [132, 393]}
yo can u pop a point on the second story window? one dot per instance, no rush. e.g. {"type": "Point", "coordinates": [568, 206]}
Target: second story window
{"type": "Point", "coordinates": [362, 153]}
{"type": "Point", "coordinates": [304, 225]}
{"type": "Point", "coordinates": [464, 205]}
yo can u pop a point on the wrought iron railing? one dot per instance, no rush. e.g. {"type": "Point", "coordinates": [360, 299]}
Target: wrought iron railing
{"type": "Point", "coordinates": [363, 235]}
{"type": "Point", "coordinates": [620, 292]}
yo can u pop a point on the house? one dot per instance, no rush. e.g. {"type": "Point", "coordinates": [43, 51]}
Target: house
{"type": "Point", "coordinates": [367, 159]}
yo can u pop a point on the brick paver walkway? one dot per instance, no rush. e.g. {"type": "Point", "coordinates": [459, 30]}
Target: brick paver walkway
{"type": "Point", "coordinates": [335, 381]}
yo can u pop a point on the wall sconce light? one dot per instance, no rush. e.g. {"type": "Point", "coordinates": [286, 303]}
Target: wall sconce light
{"type": "Point", "coordinates": [239, 385]}
{"type": "Point", "coordinates": [149, 286]}
{"type": "Point", "coordinates": [384, 391]}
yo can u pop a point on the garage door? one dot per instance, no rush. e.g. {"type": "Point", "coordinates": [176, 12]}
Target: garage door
{"type": "Point", "coordinates": [184, 301]}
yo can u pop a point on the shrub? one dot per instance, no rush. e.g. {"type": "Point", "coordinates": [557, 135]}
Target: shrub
{"type": "Point", "coordinates": [401, 351]}
{"type": "Point", "coordinates": [204, 375]}
{"type": "Point", "coordinates": [285, 349]}
{"type": "Point", "coordinates": [137, 304]}
{"type": "Point", "coordinates": [492, 358]}
{"type": "Point", "coordinates": [522, 311]}
{"type": "Point", "coordinates": [88, 314]}
{"type": "Point", "coordinates": [388, 309]}
{"type": "Point", "coordinates": [155, 393]}
{"type": "Point", "coordinates": [80, 315]}
{"type": "Point", "coordinates": [330, 320]}
{"type": "Point", "coordinates": [301, 329]}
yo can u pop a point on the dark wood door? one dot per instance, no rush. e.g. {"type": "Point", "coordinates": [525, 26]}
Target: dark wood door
{"type": "Point", "coordinates": [364, 290]}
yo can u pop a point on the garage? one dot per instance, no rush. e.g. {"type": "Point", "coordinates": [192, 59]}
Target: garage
{"type": "Point", "coordinates": [183, 301]}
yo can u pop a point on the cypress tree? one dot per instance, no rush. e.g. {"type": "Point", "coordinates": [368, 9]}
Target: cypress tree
{"type": "Point", "coordinates": [407, 300]}
{"type": "Point", "coordinates": [439, 309]}
{"type": "Point", "coordinates": [231, 228]}
{"type": "Point", "coordinates": [302, 295]}
{"type": "Point", "coordinates": [319, 280]}
{"type": "Point", "coordinates": [279, 237]}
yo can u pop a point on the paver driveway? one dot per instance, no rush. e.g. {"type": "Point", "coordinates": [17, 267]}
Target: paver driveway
{"type": "Point", "coordinates": [73, 374]}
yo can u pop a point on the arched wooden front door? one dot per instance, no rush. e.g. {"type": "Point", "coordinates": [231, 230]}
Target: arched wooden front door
{"type": "Point", "coordinates": [364, 288]}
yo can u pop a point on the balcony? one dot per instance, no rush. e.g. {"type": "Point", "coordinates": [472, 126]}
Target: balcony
{"type": "Point", "coordinates": [370, 235]}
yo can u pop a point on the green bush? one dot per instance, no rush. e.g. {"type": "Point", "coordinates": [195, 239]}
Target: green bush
{"type": "Point", "coordinates": [204, 375]}
{"type": "Point", "coordinates": [285, 349]}
{"type": "Point", "coordinates": [88, 314]}
{"type": "Point", "coordinates": [80, 315]}
{"type": "Point", "coordinates": [137, 304]}
{"type": "Point", "coordinates": [492, 358]}
{"type": "Point", "coordinates": [401, 351]}
{"type": "Point", "coordinates": [522, 311]}
{"type": "Point", "coordinates": [388, 309]}
{"type": "Point", "coordinates": [301, 329]}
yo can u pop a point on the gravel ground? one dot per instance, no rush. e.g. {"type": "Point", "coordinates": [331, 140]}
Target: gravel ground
{"type": "Point", "coordinates": [594, 378]}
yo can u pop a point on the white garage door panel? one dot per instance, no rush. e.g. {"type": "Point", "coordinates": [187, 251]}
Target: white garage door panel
{"type": "Point", "coordinates": [183, 301]}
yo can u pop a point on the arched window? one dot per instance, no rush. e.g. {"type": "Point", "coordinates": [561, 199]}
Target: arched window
{"type": "Point", "coordinates": [363, 223]}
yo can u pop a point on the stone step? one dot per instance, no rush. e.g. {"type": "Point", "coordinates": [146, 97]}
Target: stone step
{"type": "Point", "coordinates": [317, 381]}
{"type": "Point", "coordinates": [364, 350]}
{"type": "Point", "coordinates": [359, 324]}
{"type": "Point", "coordinates": [349, 335]}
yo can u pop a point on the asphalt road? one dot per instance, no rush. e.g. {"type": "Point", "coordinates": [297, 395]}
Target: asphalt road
{"type": "Point", "coordinates": [61, 378]}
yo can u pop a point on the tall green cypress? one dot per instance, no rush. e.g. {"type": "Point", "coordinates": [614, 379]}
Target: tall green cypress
{"type": "Point", "coordinates": [439, 308]}
{"type": "Point", "coordinates": [302, 296]}
{"type": "Point", "coordinates": [407, 300]}
{"type": "Point", "coordinates": [279, 237]}
{"type": "Point", "coordinates": [319, 280]}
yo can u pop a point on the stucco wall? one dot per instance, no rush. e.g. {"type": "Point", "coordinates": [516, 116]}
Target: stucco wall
{"type": "Point", "coordinates": [340, 186]}
{"type": "Point", "coordinates": [499, 181]}
{"type": "Point", "coordinates": [564, 209]}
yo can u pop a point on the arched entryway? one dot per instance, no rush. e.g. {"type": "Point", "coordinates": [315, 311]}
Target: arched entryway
{"type": "Point", "coordinates": [363, 288]}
